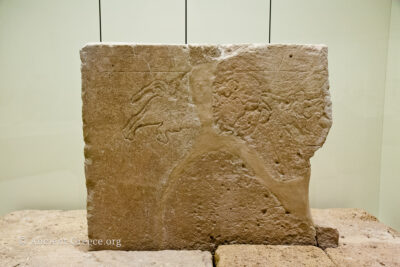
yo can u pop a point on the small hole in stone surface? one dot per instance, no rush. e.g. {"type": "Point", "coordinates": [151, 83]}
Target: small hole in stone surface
{"type": "Point", "coordinates": [290, 55]}
{"type": "Point", "coordinates": [266, 195]}
{"type": "Point", "coordinates": [276, 161]}
{"type": "Point", "coordinates": [264, 211]}
{"type": "Point", "coordinates": [287, 212]}
{"type": "Point", "coordinates": [243, 165]}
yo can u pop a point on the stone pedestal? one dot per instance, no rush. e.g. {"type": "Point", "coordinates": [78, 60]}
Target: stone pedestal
{"type": "Point", "coordinates": [59, 238]}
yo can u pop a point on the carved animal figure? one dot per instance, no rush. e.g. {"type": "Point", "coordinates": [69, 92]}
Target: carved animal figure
{"type": "Point", "coordinates": [162, 94]}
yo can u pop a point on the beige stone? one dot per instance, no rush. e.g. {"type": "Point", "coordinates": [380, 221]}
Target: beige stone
{"type": "Point", "coordinates": [57, 238]}
{"type": "Point", "coordinates": [189, 147]}
{"type": "Point", "coordinates": [364, 241]}
{"type": "Point", "coordinates": [366, 254]}
{"type": "Point", "coordinates": [269, 256]}
{"type": "Point", "coordinates": [327, 237]}
{"type": "Point", "coordinates": [381, 249]}
{"type": "Point", "coordinates": [355, 226]}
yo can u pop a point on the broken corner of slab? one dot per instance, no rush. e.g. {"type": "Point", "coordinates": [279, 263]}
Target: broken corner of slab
{"type": "Point", "coordinates": [327, 237]}
{"type": "Point", "coordinates": [190, 147]}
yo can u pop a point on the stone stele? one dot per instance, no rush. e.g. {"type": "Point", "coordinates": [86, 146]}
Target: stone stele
{"type": "Point", "coordinates": [193, 146]}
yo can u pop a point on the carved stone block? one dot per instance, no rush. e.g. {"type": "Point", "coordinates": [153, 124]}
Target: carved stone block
{"type": "Point", "coordinates": [190, 147]}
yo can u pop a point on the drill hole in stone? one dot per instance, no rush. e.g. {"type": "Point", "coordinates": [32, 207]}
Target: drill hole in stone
{"type": "Point", "coordinates": [290, 55]}
{"type": "Point", "coordinates": [264, 211]}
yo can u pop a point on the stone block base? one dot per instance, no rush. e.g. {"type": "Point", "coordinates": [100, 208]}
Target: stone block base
{"type": "Point", "coordinates": [58, 238]}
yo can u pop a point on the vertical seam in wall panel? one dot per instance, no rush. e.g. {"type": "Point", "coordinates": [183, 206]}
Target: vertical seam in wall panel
{"type": "Point", "coordinates": [185, 21]}
{"type": "Point", "coordinates": [383, 113]}
{"type": "Point", "coordinates": [101, 38]}
{"type": "Point", "coordinates": [269, 24]}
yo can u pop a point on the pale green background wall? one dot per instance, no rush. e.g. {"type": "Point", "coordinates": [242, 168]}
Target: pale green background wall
{"type": "Point", "coordinates": [389, 208]}
{"type": "Point", "coordinates": [40, 107]}
{"type": "Point", "coordinates": [41, 148]}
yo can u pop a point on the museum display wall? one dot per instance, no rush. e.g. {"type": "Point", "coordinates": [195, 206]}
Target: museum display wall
{"type": "Point", "coordinates": [41, 141]}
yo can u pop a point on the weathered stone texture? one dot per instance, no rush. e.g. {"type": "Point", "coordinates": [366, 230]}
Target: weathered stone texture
{"type": "Point", "coordinates": [365, 242]}
{"type": "Point", "coordinates": [355, 226]}
{"type": "Point", "coordinates": [366, 254]}
{"type": "Point", "coordinates": [271, 256]}
{"type": "Point", "coordinates": [189, 147]}
{"type": "Point", "coordinates": [33, 238]}
{"type": "Point", "coordinates": [327, 237]}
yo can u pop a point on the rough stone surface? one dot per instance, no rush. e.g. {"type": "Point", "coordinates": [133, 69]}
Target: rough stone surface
{"type": "Point", "coordinates": [366, 254]}
{"type": "Point", "coordinates": [189, 147]}
{"type": "Point", "coordinates": [327, 237]}
{"type": "Point", "coordinates": [355, 225]}
{"type": "Point", "coordinates": [364, 241]}
{"type": "Point", "coordinates": [261, 255]}
{"type": "Point", "coordinates": [57, 238]}
{"type": "Point", "coordinates": [367, 242]}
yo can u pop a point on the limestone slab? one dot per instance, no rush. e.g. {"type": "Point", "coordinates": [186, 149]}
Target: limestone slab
{"type": "Point", "coordinates": [375, 254]}
{"type": "Point", "coordinates": [355, 225]}
{"type": "Point", "coordinates": [364, 240]}
{"type": "Point", "coordinates": [269, 256]}
{"type": "Point", "coordinates": [380, 249]}
{"type": "Point", "coordinates": [58, 238]}
{"type": "Point", "coordinates": [190, 146]}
